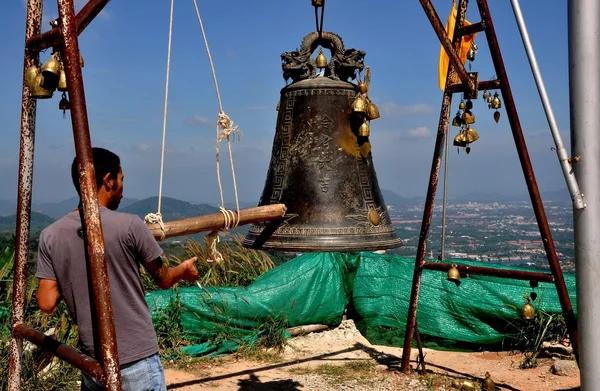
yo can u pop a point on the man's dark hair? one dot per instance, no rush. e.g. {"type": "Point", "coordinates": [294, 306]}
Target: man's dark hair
{"type": "Point", "coordinates": [105, 162]}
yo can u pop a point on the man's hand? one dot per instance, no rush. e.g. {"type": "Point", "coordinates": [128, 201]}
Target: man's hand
{"type": "Point", "coordinates": [190, 273]}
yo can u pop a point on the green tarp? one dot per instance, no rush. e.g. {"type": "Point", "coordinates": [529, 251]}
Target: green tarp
{"type": "Point", "coordinates": [375, 289]}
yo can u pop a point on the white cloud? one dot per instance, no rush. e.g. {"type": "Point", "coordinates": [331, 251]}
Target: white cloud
{"type": "Point", "coordinates": [419, 132]}
{"type": "Point", "coordinates": [391, 109]}
{"type": "Point", "coordinates": [198, 120]}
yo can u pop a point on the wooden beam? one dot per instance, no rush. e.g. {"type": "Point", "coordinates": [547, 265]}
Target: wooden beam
{"type": "Point", "coordinates": [194, 225]}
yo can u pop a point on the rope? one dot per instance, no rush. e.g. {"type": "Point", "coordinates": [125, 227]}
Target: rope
{"type": "Point", "coordinates": [156, 218]}
{"type": "Point", "coordinates": [225, 129]}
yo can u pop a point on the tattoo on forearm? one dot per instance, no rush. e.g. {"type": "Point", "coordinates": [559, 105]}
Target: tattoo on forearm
{"type": "Point", "coordinates": [157, 269]}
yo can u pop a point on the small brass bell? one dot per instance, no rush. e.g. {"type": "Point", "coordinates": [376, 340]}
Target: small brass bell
{"type": "Point", "coordinates": [459, 140]}
{"type": "Point", "coordinates": [496, 116]}
{"type": "Point", "coordinates": [51, 71]}
{"type": "Point", "coordinates": [528, 311]}
{"type": "Point", "coordinates": [468, 117]}
{"type": "Point", "coordinates": [364, 130]}
{"type": "Point", "coordinates": [372, 111]}
{"type": "Point", "coordinates": [362, 88]}
{"type": "Point", "coordinates": [321, 59]}
{"type": "Point", "coordinates": [38, 91]}
{"type": "Point", "coordinates": [462, 105]}
{"type": "Point", "coordinates": [471, 135]}
{"type": "Point", "coordinates": [454, 275]}
{"type": "Point", "coordinates": [317, 3]}
{"type": "Point", "coordinates": [488, 383]}
{"type": "Point", "coordinates": [30, 75]}
{"type": "Point", "coordinates": [81, 60]}
{"type": "Point", "coordinates": [496, 103]}
{"type": "Point", "coordinates": [359, 105]}
{"type": "Point", "coordinates": [62, 81]}
{"type": "Point", "coordinates": [457, 120]}
{"type": "Point", "coordinates": [469, 104]}
{"type": "Point", "coordinates": [64, 104]}
{"type": "Point", "coordinates": [278, 105]}
{"type": "Point", "coordinates": [486, 95]}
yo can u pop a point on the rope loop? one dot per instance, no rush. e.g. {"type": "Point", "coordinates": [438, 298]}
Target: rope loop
{"type": "Point", "coordinates": [156, 218]}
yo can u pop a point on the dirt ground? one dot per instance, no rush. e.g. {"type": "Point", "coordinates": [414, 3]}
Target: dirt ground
{"type": "Point", "coordinates": [341, 359]}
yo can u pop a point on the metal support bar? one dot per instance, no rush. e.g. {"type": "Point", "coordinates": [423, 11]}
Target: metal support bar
{"type": "Point", "coordinates": [62, 351]}
{"type": "Point", "coordinates": [534, 193]}
{"type": "Point", "coordinates": [439, 29]}
{"type": "Point", "coordinates": [482, 85]}
{"type": "Point", "coordinates": [584, 83]}
{"type": "Point", "coordinates": [488, 271]}
{"type": "Point", "coordinates": [39, 42]}
{"type": "Point", "coordinates": [411, 319]}
{"type": "Point", "coordinates": [561, 152]}
{"type": "Point", "coordinates": [89, 197]}
{"type": "Point", "coordinates": [471, 29]}
{"type": "Point", "coordinates": [25, 186]}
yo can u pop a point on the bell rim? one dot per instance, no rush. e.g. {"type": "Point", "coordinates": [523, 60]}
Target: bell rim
{"type": "Point", "coordinates": [273, 244]}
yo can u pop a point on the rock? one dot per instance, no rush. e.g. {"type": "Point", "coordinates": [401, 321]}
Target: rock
{"type": "Point", "coordinates": [565, 368]}
{"type": "Point", "coordinates": [381, 367]}
{"type": "Point", "coordinates": [549, 349]}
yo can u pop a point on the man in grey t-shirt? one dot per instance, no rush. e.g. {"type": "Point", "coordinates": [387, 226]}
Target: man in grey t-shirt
{"type": "Point", "coordinates": [63, 273]}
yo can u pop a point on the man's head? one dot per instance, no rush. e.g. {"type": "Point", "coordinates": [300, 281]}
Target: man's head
{"type": "Point", "coordinates": [109, 177]}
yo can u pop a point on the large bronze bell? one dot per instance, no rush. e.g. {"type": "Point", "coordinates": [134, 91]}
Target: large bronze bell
{"type": "Point", "coordinates": [38, 91]}
{"type": "Point", "coordinates": [30, 75]}
{"type": "Point", "coordinates": [51, 71]}
{"type": "Point", "coordinates": [320, 169]}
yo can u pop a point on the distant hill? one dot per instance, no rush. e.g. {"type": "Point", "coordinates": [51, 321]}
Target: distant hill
{"type": "Point", "coordinates": [397, 201]}
{"type": "Point", "coordinates": [60, 209]}
{"type": "Point", "coordinates": [171, 208]}
{"type": "Point", "coordinates": [39, 221]}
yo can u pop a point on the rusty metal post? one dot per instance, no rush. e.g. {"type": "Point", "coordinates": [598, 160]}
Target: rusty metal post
{"type": "Point", "coordinates": [439, 29]}
{"type": "Point", "coordinates": [52, 38]}
{"type": "Point", "coordinates": [28, 112]}
{"type": "Point", "coordinates": [430, 200]}
{"type": "Point", "coordinates": [89, 197]}
{"type": "Point", "coordinates": [532, 187]}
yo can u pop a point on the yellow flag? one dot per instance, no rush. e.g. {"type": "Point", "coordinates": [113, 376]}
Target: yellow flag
{"type": "Point", "coordinates": [464, 48]}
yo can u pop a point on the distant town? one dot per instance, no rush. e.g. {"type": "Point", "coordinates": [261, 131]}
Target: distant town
{"type": "Point", "coordinates": [499, 232]}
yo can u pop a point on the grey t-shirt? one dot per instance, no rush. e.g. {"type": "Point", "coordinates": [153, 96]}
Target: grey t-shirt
{"type": "Point", "coordinates": [128, 244]}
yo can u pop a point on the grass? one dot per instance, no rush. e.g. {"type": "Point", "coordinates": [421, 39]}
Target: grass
{"type": "Point", "coordinates": [361, 370]}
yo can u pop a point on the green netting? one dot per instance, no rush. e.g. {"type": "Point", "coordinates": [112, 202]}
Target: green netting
{"type": "Point", "coordinates": [375, 289]}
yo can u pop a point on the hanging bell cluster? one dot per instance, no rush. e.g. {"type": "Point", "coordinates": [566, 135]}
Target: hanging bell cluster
{"type": "Point", "coordinates": [364, 109]}
{"type": "Point", "coordinates": [494, 103]}
{"type": "Point", "coordinates": [43, 81]}
{"type": "Point", "coordinates": [463, 119]}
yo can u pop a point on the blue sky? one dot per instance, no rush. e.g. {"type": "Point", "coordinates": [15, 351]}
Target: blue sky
{"type": "Point", "coordinates": [125, 60]}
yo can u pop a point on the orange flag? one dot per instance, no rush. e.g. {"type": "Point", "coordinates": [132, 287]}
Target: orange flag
{"type": "Point", "coordinates": [464, 48]}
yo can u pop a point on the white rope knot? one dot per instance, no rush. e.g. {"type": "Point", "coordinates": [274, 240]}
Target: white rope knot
{"type": "Point", "coordinates": [232, 219]}
{"type": "Point", "coordinates": [156, 218]}
{"type": "Point", "coordinates": [213, 252]}
{"type": "Point", "coordinates": [226, 127]}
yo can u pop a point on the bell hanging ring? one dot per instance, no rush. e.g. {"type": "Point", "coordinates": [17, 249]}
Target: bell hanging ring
{"type": "Point", "coordinates": [462, 105]}
{"type": "Point", "coordinates": [30, 75]}
{"type": "Point", "coordinates": [37, 90]}
{"type": "Point", "coordinates": [321, 59]}
{"type": "Point", "coordinates": [496, 102]}
{"type": "Point", "coordinates": [372, 111]}
{"type": "Point", "coordinates": [359, 105]}
{"type": "Point", "coordinates": [62, 81]}
{"type": "Point", "coordinates": [454, 274]}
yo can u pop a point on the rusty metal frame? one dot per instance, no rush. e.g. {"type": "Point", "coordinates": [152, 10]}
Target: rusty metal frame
{"type": "Point", "coordinates": [556, 275]}
{"type": "Point", "coordinates": [64, 38]}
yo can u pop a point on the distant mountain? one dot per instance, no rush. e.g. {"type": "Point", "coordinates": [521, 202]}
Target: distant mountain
{"type": "Point", "coordinates": [60, 209]}
{"type": "Point", "coordinates": [39, 221]}
{"type": "Point", "coordinates": [397, 201]}
{"type": "Point", "coordinates": [171, 208]}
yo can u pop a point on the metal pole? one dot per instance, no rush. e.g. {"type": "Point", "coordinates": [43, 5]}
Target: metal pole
{"type": "Point", "coordinates": [445, 200]}
{"type": "Point", "coordinates": [411, 319]}
{"type": "Point", "coordinates": [534, 192]}
{"type": "Point", "coordinates": [89, 198]}
{"type": "Point", "coordinates": [584, 63]}
{"type": "Point", "coordinates": [28, 113]}
{"type": "Point", "coordinates": [561, 152]}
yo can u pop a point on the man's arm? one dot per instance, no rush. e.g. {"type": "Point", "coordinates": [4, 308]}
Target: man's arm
{"type": "Point", "coordinates": [165, 277]}
{"type": "Point", "coordinates": [48, 295]}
